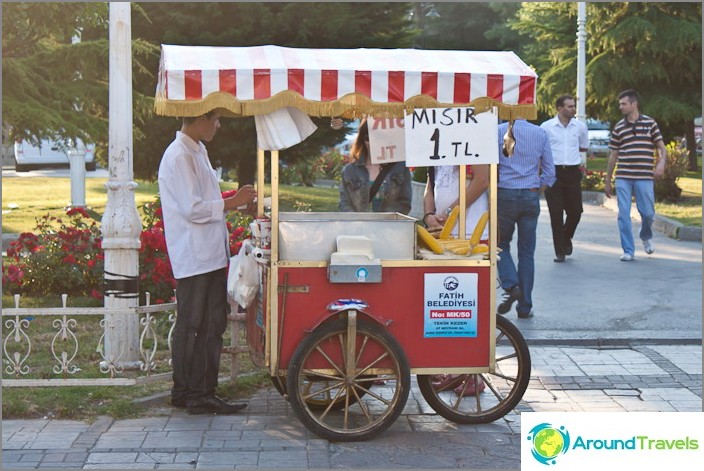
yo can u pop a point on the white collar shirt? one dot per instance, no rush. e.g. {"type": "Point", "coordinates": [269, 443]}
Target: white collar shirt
{"type": "Point", "coordinates": [566, 141]}
{"type": "Point", "coordinates": [193, 209]}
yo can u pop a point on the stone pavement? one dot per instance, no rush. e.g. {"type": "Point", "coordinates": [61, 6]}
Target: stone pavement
{"type": "Point", "coordinates": [268, 435]}
{"type": "Point", "coordinates": [607, 336]}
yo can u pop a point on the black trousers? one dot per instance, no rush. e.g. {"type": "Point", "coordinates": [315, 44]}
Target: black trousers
{"type": "Point", "coordinates": [197, 339]}
{"type": "Point", "coordinates": [564, 200]}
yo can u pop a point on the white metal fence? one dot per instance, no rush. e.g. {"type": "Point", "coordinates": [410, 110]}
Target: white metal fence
{"type": "Point", "coordinates": [53, 346]}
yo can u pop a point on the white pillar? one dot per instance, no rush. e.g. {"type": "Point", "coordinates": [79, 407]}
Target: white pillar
{"type": "Point", "coordinates": [77, 163]}
{"type": "Point", "coordinates": [121, 225]}
{"type": "Point", "coordinates": [581, 60]}
{"type": "Point", "coordinates": [581, 66]}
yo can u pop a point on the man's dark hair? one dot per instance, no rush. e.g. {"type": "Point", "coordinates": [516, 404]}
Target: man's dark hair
{"type": "Point", "coordinates": [560, 102]}
{"type": "Point", "coordinates": [632, 95]}
{"type": "Point", "coordinates": [191, 119]}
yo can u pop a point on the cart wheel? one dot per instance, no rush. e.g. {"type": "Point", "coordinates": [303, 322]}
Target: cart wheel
{"type": "Point", "coordinates": [499, 392]}
{"type": "Point", "coordinates": [327, 369]}
{"type": "Point", "coordinates": [319, 402]}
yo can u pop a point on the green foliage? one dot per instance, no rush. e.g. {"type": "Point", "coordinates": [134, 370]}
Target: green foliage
{"type": "Point", "coordinates": [420, 174]}
{"type": "Point", "coordinates": [327, 166]}
{"type": "Point", "coordinates": [592, 180]}
{"type": "Point", "coordinates": [652, 47]}
{"type": "Point", "coordinates": [56, 88]}
{"type": "Point", "coordinates": [666, 188]}
{"type": "Point", "coordinates": [63, 257]}
{"type": "Point", "coordinates": [317, 25]}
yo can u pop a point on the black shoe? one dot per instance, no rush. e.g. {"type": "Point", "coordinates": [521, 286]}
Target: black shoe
{"type": "Point", "coordinates": [510, 296]}
{"type": "Point", "coordinates": [525, 316]}
{"type": "Point", "coordinates": [568, 246]}
{"type": "Point", "coordinates": [213, 405]}
{"type": "Point", "coordinates": [559, 259]}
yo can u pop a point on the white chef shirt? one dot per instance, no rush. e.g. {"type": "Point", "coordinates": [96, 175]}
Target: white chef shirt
{"type": "Point", "coordinates": [565, 141]}
{"type": "Point", "coordinates": [193, 208]}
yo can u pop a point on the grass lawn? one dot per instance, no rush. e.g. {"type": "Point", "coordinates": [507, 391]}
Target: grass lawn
{"type": "Point", "coordinates": [688, 210]}
{"type": "Point", "coordinates": [37, 196]}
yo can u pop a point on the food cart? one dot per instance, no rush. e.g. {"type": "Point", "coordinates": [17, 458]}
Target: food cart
{"type": "Point", "coordinates": [348, 303]}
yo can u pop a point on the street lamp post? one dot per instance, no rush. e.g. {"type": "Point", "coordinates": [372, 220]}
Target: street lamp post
{"type": "Point", "coordinates": [581, 66]}
{"type": "Point", "coordinates": [121, 225]}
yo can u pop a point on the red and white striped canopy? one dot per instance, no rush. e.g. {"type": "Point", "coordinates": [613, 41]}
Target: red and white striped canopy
{"type": "Point", "coordinates": [247, 81]}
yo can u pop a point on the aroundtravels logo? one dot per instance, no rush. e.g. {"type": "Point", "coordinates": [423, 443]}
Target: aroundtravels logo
{"type": "Point", "coordinates": [548, 442]}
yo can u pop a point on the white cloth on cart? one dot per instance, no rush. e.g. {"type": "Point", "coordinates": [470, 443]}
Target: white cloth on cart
{"type": "Point", "coordinates": [283, 128]}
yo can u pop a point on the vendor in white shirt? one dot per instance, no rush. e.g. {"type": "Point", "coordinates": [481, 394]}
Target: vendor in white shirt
{"type": "Point", "coordinates": [197, 243]}
{"type": "Point", "coordinates": [568, 137]}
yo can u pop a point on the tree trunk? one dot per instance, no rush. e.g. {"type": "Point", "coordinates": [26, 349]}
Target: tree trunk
{"type": "Point", "coordinates": [691, 146]}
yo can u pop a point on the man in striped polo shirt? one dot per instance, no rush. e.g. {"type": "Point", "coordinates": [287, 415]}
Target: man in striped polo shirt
{"type": "Point", "coordinates": [633, 143]}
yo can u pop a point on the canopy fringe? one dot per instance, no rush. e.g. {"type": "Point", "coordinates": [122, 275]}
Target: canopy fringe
{"type": "Point", "coordinates": [349, 106]}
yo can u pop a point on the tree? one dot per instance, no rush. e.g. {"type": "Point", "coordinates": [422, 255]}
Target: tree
{"type": "Point", "coordinates": [55, 86]}
{"type": "Point", "coordinates": [654, 48]}
{"type": "Point", "coordinates": [318, 25]}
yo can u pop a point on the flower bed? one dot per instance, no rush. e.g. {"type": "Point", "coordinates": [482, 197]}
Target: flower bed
{"type": "Point", "coordinates": [64, 256]}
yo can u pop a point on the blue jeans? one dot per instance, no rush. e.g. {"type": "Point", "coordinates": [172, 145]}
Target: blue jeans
{"type": "Point", "coordinates": [645, 202]}
{"type": "Point", "coordinates": [519, 208]}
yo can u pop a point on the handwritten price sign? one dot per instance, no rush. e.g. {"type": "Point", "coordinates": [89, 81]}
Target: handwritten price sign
{"type": "Point", "coordinates": [386, 140]}
{"type": "Point", "coordinates": [451, 136]}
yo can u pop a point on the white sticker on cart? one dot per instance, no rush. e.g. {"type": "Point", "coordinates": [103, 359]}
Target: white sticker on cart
{"type": "Point", "coordinates": [450, 305]}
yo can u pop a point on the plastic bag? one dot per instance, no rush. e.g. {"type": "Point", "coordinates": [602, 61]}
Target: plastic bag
{"type": "Point", "coordinates": [243, 277]}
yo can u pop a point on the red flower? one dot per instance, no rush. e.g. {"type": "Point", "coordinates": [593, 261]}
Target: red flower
{"type": "Point", "coordinates": [74, 211]}
{"type": "Point", "coordinates": [69, 259]}
{"type": "Point", "coordinates": [96, 294]}
{"type": "Point", "coordinates": [228, 193]}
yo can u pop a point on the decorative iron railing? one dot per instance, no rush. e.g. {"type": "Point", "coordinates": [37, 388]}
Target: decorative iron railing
{"type": "Point", "coordinates": [51, 346]}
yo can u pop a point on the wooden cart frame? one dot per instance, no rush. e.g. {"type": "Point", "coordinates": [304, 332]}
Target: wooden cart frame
{"type": "Point", "coordinates": [345, 368]}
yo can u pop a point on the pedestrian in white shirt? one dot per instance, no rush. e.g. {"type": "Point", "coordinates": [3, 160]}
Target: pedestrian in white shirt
{"type": "Point", "coordinates": [197, 242]}
{"type": "Point", "coordinates": [568, 137]}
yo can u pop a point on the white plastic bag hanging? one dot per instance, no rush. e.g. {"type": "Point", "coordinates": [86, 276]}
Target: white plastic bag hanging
{"type": "Point", "coordinates": [243, 276]}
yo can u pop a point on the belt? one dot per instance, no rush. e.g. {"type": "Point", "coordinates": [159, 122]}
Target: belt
{"type": "Point", "coordinates": [565, 167]}
{"type": "Point", "coordinates": [534, 190]}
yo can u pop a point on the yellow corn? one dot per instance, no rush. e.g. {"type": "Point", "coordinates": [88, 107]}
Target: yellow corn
{"type": "Point", "coordinates": [428, 240]}
{"type": "Point", "coordinates": [461, 250]}
{"type": "Point", "coordinates": [479, 229]}
{"type": "Point", "coordinates": [450, 222]}
{"type": "Point", "coordinates": [480, 248]}
{"type": "Point", "coordinates": [450, 243]}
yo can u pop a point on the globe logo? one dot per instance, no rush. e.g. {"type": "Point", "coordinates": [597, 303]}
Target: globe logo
{"type": "Point", "coordinates": [548, 442]}
{"type": "Point", "coordinates": [451, 283]}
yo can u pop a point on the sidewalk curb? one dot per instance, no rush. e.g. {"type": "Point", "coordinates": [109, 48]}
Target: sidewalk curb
{"type": "Point", "coordinates": [662, 224]}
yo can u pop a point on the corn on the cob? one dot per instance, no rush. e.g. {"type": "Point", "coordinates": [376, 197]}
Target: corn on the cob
{"type": "Point", "coordinates": [460, 250]}
{"type": "Point", "coordinates": [479, 229]}
{"type": "Point", "coordinates": [480, 248]}
{"type": "Point", "coordinates": [429, 241]}
{"type": "Point", "coordinates": [451, 243]}
{"type": "Point", "coordinates": [450, 223]}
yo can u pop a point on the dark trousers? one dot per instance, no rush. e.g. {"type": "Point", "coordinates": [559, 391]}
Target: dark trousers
{"type": "Point", "coordinates": [564, 200]}
{"type": "Point", "coordinates": [197, 339]}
